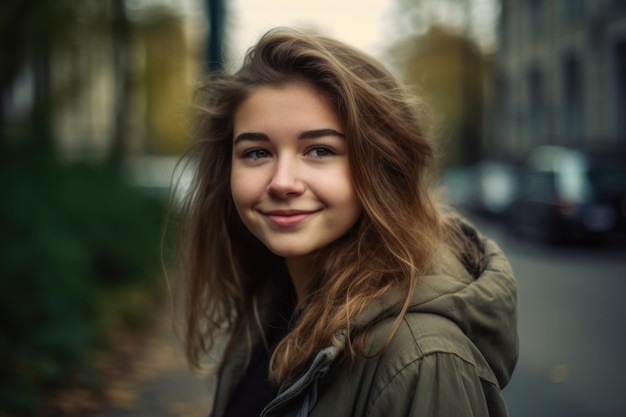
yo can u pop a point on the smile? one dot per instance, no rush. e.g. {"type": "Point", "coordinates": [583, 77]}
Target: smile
{"type": "Point", "coordinates": [288, 218]}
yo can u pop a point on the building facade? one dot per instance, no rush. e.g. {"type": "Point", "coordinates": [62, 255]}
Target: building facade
{"type": "Point", "coordinates": [560, 76]}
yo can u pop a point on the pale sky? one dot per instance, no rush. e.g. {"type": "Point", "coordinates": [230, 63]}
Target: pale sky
{"type": "Point", "coordinates": [360, 23]}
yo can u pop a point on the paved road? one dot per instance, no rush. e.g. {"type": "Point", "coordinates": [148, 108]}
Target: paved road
{"type": "Point", "coordinates": [158, 383]}
{"type": "Point", "coordinates": [572, 326]}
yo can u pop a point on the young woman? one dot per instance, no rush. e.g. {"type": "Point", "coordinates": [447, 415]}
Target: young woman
{"type": "Point", "coordinates": [312, 242]}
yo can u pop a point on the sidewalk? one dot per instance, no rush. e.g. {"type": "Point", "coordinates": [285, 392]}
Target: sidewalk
{"type": "Point", "coordinates": [158, 383]}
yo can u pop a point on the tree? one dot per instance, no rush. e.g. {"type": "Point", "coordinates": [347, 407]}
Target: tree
{"type": "Point", "coordinates": [31, 33]}
{"type": "Point", "coordinates": [121, 33]}
{"type": "Point", "coordinates": [448, 69]}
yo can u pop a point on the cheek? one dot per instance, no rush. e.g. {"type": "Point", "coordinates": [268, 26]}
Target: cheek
{"type": "Point", "coordinates": [339, 191]}
{"type": "Point", "coordinates": [245, 188]}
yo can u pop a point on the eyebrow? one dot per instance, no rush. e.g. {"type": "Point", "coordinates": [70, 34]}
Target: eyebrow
{"type": "Point", "coordinates": [318, 133]}
{"type": "Point", "coordinates": [307, 134]}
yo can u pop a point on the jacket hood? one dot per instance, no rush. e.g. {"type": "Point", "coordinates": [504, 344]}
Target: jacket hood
{"type": "Point", "coordinates": [484, 308]}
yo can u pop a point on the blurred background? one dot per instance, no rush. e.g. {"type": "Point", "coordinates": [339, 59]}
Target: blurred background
{"type": "Point", "coordinates": [95, 109]}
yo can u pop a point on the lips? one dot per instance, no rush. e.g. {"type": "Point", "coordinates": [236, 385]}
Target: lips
{"type": "Point", "coordinates": [288, 218]}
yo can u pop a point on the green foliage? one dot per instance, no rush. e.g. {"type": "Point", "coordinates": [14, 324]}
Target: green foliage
{"type": "Point", "coordinates": [79, 254]}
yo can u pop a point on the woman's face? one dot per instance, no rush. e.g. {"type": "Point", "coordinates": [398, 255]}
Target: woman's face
{"type": "Point", "coordinates": [290, 177]}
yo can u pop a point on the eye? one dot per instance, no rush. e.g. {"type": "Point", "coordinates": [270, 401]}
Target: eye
{"type": "Point", "coordinates": [256, 154]}
{"type": "Point", "coordinates": [320, 151]}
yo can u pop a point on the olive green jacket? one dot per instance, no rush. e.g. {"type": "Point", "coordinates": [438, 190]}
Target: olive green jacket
{"type": "Point", "coordinates": [454, 352]}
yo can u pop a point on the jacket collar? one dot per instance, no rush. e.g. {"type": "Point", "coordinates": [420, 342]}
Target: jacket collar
{"type": "Point", "coordinates": [307, 382]}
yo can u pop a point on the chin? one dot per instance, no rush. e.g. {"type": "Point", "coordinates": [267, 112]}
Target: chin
{"type": "Point", "coordinates": [290, 251]}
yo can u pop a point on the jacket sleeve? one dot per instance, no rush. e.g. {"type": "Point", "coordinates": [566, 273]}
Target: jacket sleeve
{"type": "Point", "coordinates": [436, 385]}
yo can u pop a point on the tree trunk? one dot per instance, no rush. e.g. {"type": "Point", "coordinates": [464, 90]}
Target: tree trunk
{"type": "Point", "coordinates": [15, 18]}
{"type": "Point", "coordinates": [122, 74]}
{"type": "Point", "coordinates": [216, 14]}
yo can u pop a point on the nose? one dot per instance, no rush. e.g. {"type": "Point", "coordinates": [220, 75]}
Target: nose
{"type": "Point", "coordinates": [285, 181]}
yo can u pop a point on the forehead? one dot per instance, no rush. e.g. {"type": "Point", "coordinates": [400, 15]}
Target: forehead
{"type": "Point", "coordinates": [285, 90]}
{"type": "Point", "coordinates": [294, 104]}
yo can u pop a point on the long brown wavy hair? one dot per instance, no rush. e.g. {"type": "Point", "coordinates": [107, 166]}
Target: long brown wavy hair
{"type": "Point", "coordinates": [390, 151]}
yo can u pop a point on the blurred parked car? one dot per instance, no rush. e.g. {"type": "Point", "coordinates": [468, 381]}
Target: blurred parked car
{"type": "Point", "coordinates": [570, 194]}
{"type": "Point", "coordinates": [486, 187]}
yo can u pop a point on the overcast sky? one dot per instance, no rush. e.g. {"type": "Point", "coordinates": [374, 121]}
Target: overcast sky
{"type": "Point", "coordinates": [370, 25]}
{"type": "Point", "coordinates": [360, 23]}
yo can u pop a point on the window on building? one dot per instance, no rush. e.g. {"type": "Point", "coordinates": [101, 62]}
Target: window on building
{"type": "Point", "coordinates": [573, 99]}
{"type": "Point", "coordinates": [502, 25]}
{"type": "Point", "coordinates": [573, 10]}
{"type": "Point", "coordinates": [502, 113]}
{"type": "Point", "coordinates": [537, 108]}
{"type": "Point", "coordinates": [620, 88]}
{"type": "Point", "coordinates": [536, 16]}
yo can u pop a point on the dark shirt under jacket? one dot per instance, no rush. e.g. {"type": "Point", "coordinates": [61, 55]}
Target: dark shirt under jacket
{"type": "Point", "coordinates": [255, 391]}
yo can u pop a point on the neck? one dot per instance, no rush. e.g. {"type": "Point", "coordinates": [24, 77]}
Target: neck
{"type": "Point", "coordinates": [301, 270]}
